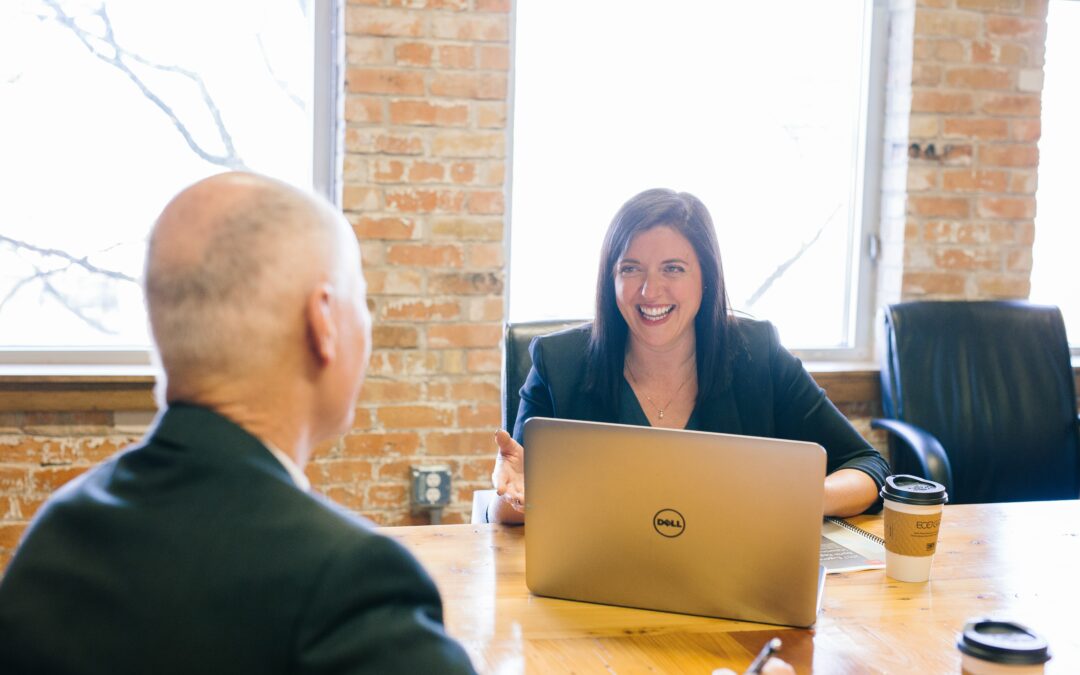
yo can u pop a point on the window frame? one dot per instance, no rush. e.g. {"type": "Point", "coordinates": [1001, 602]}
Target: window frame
{"type": "Point", "coordinates": [327, 22]}
{"type": "Point", "coordinates": [863, 238]}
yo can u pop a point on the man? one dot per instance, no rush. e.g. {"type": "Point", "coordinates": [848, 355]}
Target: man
{"type": "Point", "coordinates": [200, 550]}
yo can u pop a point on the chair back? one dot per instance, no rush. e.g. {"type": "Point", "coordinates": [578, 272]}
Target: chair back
{"type": "Point", "coordinates": [517, 362]}
{"type": "Point", "coordinates": [993, 382]}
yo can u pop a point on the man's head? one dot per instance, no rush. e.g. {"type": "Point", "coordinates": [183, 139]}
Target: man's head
{"type": "Point", "coordinates": [254, 289]}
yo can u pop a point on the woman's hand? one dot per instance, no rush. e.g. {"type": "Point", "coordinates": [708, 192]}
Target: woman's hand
{"type": "Point", "coordinates": [509, 475]}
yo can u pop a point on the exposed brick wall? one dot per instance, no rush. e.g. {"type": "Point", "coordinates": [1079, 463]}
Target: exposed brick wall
{"type": "Point", "coordinates": [424, 169]}
{"type": "Point", "coordinates": [975, 96]}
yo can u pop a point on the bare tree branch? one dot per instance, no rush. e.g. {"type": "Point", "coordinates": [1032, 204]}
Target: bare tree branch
{"type": "Point", "coordinates": [106, 48]}
{"type": "Point", "coordinates": [783, 267]}
{"type": "Point", "coordinates": [67, 304]}
{"type": "Point", "coordinates": [282, 83]}
{"type": "Point", "coordinates": [40, 274]}
{"type": "Point", "coordinates": [56, 253]}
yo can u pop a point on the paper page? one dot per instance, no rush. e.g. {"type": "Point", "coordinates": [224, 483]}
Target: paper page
{"type": "Point", "coordinates": [845, 551]}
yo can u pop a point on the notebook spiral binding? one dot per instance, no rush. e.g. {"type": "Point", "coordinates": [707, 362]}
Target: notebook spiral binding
{"type": "Point", "coordinates": [856, 529]}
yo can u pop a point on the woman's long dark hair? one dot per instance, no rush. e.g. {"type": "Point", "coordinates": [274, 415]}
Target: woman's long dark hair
{"type": "Point", "coordinates": [684, 213]}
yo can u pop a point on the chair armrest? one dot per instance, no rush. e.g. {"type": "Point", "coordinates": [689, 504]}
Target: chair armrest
{"type": "Point", "coordinates": [923, 447]}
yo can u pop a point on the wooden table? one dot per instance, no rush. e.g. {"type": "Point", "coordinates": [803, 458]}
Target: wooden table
{"type": "Point", "coordinates": [1019, 561]}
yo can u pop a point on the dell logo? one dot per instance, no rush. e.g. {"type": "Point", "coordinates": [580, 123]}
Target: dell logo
{"type": "Point", "coordinates": [669, 523]}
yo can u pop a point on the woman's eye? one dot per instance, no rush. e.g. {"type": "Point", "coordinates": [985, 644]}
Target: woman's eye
{"type": "Point", "coordinates": [628, 269]}
{"type": "Point", "coordinates": [674, 269]}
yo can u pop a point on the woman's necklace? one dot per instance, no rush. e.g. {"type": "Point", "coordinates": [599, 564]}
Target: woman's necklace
{"type": "Point", "coordinates": [659, 409]}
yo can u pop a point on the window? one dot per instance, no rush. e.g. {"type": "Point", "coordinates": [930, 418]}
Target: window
{"type": "Point", "coordinates": [1054, 279]}
{"type": "Point", "coordinates": [768, 112]}
{"type": "Point", "coordinates": [112, 106]}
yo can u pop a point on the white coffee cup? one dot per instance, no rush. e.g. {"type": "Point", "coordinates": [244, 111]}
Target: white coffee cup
{"type": "Point", "coordinates": [993, 647]}
{"type": "Point", "coordinates": [913, 509]}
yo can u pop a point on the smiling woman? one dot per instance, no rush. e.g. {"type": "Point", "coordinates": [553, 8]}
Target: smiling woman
{"type": "Point", "coordinates": [666, 351]}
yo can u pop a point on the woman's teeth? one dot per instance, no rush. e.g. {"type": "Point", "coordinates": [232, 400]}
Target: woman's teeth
{"type": "Point", "coordinates": [655, 313]}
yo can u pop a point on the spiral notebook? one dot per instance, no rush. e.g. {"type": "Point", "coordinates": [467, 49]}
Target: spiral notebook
{"type": "Point", "coordinates": [849, 548]}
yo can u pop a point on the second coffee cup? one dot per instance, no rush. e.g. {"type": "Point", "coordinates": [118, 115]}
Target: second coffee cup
{"type": "Point", "coordinates": [913, 509]}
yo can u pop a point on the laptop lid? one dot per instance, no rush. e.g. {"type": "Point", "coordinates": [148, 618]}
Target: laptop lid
{"type": "Point", "coordinates": [681, 521]}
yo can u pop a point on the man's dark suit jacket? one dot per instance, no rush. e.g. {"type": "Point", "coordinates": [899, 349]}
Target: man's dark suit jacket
{"type": "Point", "coordinates": [770, 394]}
{"type": "Point", "coordinates": [195, 552]}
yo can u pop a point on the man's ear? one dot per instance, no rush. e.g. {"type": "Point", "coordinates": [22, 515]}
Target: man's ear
{"type": "Point", "coordinates": [321, 329]}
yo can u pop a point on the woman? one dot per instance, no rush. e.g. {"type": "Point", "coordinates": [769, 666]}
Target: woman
{"type": "Point", "coordinates": [665, 351]}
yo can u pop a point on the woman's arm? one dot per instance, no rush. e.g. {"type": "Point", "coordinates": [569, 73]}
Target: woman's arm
{"type": "Point", "coordinates": [848, 492]}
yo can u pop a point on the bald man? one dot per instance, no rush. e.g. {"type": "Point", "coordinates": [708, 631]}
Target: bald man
{"type": "Point", "coordinates": [201, 550]}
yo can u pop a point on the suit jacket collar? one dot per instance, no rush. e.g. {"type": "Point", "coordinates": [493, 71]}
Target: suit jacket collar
{"type": "Point", "coordinates": [213, 437]}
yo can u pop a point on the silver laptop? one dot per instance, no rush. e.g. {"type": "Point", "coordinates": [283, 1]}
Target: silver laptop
{"type": "Point", "coordinates": [679, 521]}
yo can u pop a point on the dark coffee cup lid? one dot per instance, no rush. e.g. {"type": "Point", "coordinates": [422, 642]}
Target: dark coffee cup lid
{"type": "Point", "coordinates": [1004, 642]}
{"type": "Point", "coordinates": [913, 490]}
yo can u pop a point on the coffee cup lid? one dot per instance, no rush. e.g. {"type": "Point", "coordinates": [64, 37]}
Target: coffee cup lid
{"type": "Point", "coordinates": [1002, 642]}
{"type": "Point", "coordinates": [913, 490]}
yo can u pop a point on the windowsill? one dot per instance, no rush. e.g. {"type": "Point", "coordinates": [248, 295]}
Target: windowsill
{"type": "Point", "coordinates": [30, 388]}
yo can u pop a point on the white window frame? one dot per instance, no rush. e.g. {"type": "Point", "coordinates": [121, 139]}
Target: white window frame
{"type": "Point", "coordinates": [328, 97]}
{"type": "Point", "coordinates": [862, 311]}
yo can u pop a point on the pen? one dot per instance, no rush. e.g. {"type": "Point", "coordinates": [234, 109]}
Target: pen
{"type": "Point", "coordinates": [770, 648]}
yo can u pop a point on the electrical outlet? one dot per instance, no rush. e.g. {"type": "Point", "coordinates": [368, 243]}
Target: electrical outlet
{"type": "Point", "coordinates": [430, 486]}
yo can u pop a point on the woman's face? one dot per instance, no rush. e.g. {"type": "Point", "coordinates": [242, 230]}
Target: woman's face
{"type": "Point", "coordinates": [658, 288]}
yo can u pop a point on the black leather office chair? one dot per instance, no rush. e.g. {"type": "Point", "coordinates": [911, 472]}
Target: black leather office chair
{"type": "Point", "coordinates": [516, 360]}
{"type": "Point", "coordinates": [981, 398]}
{"type": "Point", "coordinates": [516, 365]}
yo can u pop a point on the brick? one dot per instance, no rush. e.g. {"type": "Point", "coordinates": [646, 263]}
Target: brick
{"type": "Point", "coordinates": [444, 336]}
{"type": "Point", "coordinates": [426, 255]}
{"type": "Point", "coordinates": [491, 115]}
{"type": "Point", "coordinates": [925, 74]}
{"type": "Point", "coordinates": [486, 202]}
{"type": "Point", "coordinates": [923, 126]}
{"type": "Point", "coordinates": [1030, 80]}
{"type": "Point", "coordinates": [383, 81]}
{"type": "Point", "coordinates": [393, 281]}
{"type": "Point", "coordinates": [10, 534]}
{"type": "Point", "coordinates": [484, 360]}
{"type": "Point", "coordinates": [949, 51]}
{"type": "Point", "coordinates": [1021, 105]}
{"type": "Point", "coordinates": [424, 201]}
{"type": "Point", "coordinates": [979, 78]}
{"type": "Point", "coordinates": [483, 392]}
{"type": "Point", "coordinates": [414, 416]}
{"type": "Point", "coordinates": [13, 479]}
{"type": "Point", "coordinates": [1012, 154]}
{"type": "Point", "coordinates": [426, 172]}
{"type": "Point", "coordinates": [51, 478]}
{"type": "Point", "coordinates": [494, 57]}
{"type": "Point", "coordinates": [990, 5]}
{"type": "Point", "coordinates": [404, 363]}
{"type": "Point", "coordinates": [383, 444]}
{"type": "Point", "coordinates": [366, 51]}
{"type": "Point", "coordinates": [1036, 8]}
{"type": "Point", "coordinates": [1003, 286]}
{"type": "Point", "coordinates": [486, 309]}
{"type": "Point", "coordinates": [1024, 182]}
{"type": "Point", "coordinates": [1018, 260]}
{"type": "Point", "coordinates": [494, 173]}
{"type": "Point", "coordinates": [457, 57]}
{"type": "Point", "coordinates": [421, 112]}
{"type": "Point", "coordinates": [338, 471]}
{"type": "Point", "coordinates": [384, 22]}
{"type": "Point", "coordinates": [469, 144]}
{"type": "Point", "coordinates": [473, 27]}
{"type": "Point", "coordinates": [413, 54]}
{"type": "Point", "coordinates": [462, 172]}
{"type": "Point", "coordinates": [368, 227]}
{"type": "Point", "coordinates": [479, 256]}
{"type": "Point", "coordinates": [463, 443]}
{"type": "Point", "coordinates": [946, 24]}
{"type": "Point", "coordinates": [1015, 27]}
{"type": "Point", "coordinates": [394, 337]}
{"type": "Point", "coordinates": [976, 128]}
{"type": "Point", "coordinates": [388, 171]}
{"type": "Point", "coordinates": [921, 179]}
{"type": "Point", "coordinates": [356, 198]}
{"type": "Point", "coordinates": [493, 5]}
{"type": "Point", "coordinates": [939, 206]}
{"type": "Point", "coordinates": [487, 416]}
{"type": "Point", "coordinates": [485, 85]}
{"type": "Point", "coordinates": [467, 229]}
{"type": "Point", "coordinates": [466, 283]}
{"type": "Point", "coordinates": [378, 391]}
{"type": "Point", "coordinates": [386, 496]}
{"type": "Point", "coordinates": [960, 180]}
{"type": "Point", "coordinates": [363, 110]}
{"type": "Point", "coordinates": [1006, 207]}
{"type": "Point", "coordinates": [938, 231]}
{"type": "Point", "coordinates": [941, 102]}
{"type": "Point", "coordinates": [421, 310]}
{"type": "Point", "coordinates": [967, 259]}
{"type": "Point", "coordinates": [956, 155]}
{"type": "Point", "coordinates": [939, 284]}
